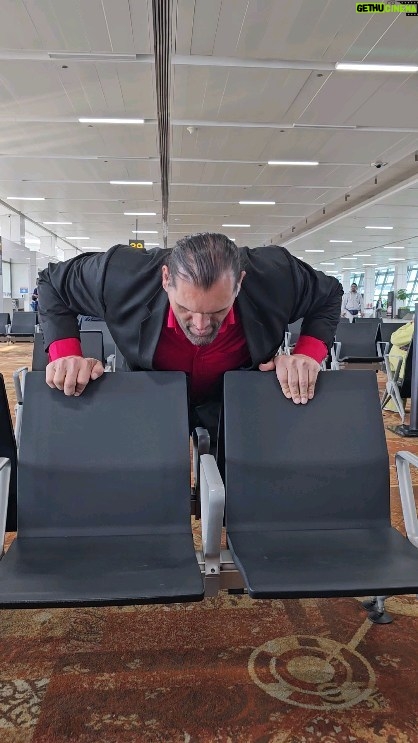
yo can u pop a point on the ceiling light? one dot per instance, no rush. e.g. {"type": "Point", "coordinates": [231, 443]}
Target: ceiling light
{"type": "Point", "coordinates": [396, 259]}
{"type": "Point", "coordinates": [348, 259]}
{"type": "Point", "coordinates": [131, 183]}
{"type": "Point", "coordinates": [377, 227]}
{"type": "Point", "coordinates": [362, 255]}
{"type": "Point", "coordinates": [363, 67]}
{"type": "Point", "coordinates": [325, 263]}
{"type": "Point", "coordinates": [156, 245]}
{"type": "Point", "coordinates": [314, 251]}
{"type": "Point", "coordinates": [236, 225]}
{"type": "Point", "coordinates": [331, 271]}
{"type": "Point", "coordinates": [394, 247]}
{"type": "Point", "coordinates": [341, 241]}
{"type": "Point", "coordinates": [292, 162]}
{"type": "Point", "coordinates": [111, 121]}
{"type": "Point", "coordinates": [76, 238]}
{"type": "Point", "coordinates": [369, 264]}
{"type": "Point", "coordinates": [267, 203]}
{"type": "Point", "coordinates": [56, 222]}
{"type": "Point", "coordinates": [25, 198]}
{"type": "Point", "coordinates": [140, 214]}
{"type": "Point", "coordinates": [145, 232]}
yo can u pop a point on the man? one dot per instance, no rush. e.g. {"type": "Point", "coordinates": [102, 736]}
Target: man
{"type": "Point", "coordinates": [352, 303]}
{"type": "Point", "coordinates": [204, 307]}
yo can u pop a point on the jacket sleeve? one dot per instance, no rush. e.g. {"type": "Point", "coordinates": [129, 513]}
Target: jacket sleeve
{"type": "Point", "coordinates": [317, 298]}
{"type": "Point", "coordinates": [68, 289]}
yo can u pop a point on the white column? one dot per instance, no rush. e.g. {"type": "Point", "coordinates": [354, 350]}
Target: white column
{"type": "Point", "coordinates": [369, 283]}
{"type": "Point", "coordinates": [346, 280]}
{"type": "Point", "coordinates": [401, 273]}
{"type": "Point", "coordinates": [12, 227]}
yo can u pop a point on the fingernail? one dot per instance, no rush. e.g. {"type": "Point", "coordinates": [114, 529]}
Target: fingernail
{"type": "Point", "coordinates": [304, 400]}
{"type": "Point", "coordinates": [296, 400]}
{"type": "Point", "coordinates": [76, 394]}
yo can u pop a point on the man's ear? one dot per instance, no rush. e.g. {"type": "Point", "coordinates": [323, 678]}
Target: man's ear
{"type": "Point", "coordinates": [165, 275]}
{"type": "Point", "coordinates": [240, 281]}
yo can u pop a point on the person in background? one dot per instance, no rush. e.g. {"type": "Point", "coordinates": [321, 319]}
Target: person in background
{"type": "Point", "coordinates": [34, 302]}
{"type": "Point", "coordinates": [352, 303]}
{"type": "Point", "coordinates": [400, 340]}
{"type": "Point", "coordinates": [379, 308]}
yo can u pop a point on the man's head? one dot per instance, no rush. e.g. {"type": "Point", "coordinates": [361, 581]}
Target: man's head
{"type": "Point", "coordinates": [353, 287]}
{"type": "Point", "coordinates": [202, 279]}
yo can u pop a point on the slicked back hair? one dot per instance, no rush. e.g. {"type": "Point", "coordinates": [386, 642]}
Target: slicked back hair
{"type": "Point", "coordinates": [203, 258]}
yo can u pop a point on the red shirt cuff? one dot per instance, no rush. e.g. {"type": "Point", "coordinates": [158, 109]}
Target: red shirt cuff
{"type": "Point", "coordinates": [64, 347]}
{"type": "Point", "coordinates": [312, 347]}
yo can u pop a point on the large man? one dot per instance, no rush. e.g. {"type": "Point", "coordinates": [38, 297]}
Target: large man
{"type": "Point", "coordinates": [204, 307]}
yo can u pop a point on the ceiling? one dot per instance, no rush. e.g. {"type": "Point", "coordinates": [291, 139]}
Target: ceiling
{"type": "Point", "coordinates": [251, 81]}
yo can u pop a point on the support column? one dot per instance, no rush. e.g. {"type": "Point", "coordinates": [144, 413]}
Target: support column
{"type": "Point", "coordinates": [346, 280]}
{"type": "Point", "coordinates": [12, 227]}
{"type": "Point", "coordinates": [401, 274]}
{"type": "Point", "coordinates": [369, 284]}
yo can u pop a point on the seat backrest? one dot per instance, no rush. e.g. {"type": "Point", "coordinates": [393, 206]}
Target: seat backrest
{"type": "Point", "coordinates": [322, 465]}
{"type": "Point", "coordinates": [39, 356]}
{"type": "Point", "coordinates": [113, 461]}
{"type": "Point", "coordinates": [4, 320]}
{"type": "Point", "coordinates": [405, 388]}
{"type": "Point", "coordinates": [8, 449]}
{"type": "Point", "coordinates": [24, 323]}
{"type": "Point", "coordinates": [108, 342]}
{"type": "Point", "coordinates": [294, 330]}
{"type": "Point", "coordinates": [387, 328]}
{"type": "Point", "coordinates": [357, 340]}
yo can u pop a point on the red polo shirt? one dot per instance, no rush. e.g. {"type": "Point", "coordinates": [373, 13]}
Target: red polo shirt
{"type": "Point", "coordinates": [204, 364]}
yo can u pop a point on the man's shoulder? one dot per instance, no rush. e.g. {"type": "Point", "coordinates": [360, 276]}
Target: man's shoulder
{"type": "Point", "coordinates": [125, 255]}
{"type": "Point", "coordinates": [266, 255]}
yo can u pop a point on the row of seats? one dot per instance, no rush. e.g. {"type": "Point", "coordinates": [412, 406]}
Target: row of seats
{"type": "Point", "coordinates": [22, 325]}
{"type": "Point", "coordinates": [114, 526]}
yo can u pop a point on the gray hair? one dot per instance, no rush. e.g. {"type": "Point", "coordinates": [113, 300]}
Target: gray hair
{"type": "Point", "coordinates": [203, 258]}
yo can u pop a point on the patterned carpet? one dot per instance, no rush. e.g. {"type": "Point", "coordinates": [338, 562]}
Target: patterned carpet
{"type": "Point", "coordinates": [227, 670]}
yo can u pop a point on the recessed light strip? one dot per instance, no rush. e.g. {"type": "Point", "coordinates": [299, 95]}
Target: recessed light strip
{"type": "Point", "coordinates": [293, 162]}
{"type": "Point", "coordinates": [267, 203]}
{"type": "Point", "coordinates": [131, 183]}
{"type": "Point", "coordinates": [25, 198]}
{"type": "Point", "coordinates": [341, 241]}
{"type": "Point", "coordinates": [111, 121]}
{"type": "Point", "coordinates": [140, 214]}
{"type": "Point", "coordinates": [377, 227]}
{"type": "Point", "coordinates": [365, 67]}
{"type": "Point", "coordinates": [236, 225]}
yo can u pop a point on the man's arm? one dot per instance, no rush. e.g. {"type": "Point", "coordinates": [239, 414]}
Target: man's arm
{"type": "Point", "coordinates": [68, 289]}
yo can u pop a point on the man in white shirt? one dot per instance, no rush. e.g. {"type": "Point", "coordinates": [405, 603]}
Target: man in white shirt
{"type": "Point", "coordinates": [352, 304]}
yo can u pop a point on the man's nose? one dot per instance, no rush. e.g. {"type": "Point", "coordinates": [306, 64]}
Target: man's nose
{"type": "Point", "coordinates": [201, 322]}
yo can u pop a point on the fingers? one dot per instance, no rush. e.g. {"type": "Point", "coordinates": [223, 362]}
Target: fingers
{"type": "Point", "coordinates": [269, 366]}
{"type": "Point", "coordinates": [71, 374]}
{"type": "Point", "coordinates": [297, 376]}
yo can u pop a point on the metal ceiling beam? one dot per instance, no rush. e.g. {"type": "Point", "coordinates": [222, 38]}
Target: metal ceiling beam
{"type": "Point", "coordinates": [162, 15]}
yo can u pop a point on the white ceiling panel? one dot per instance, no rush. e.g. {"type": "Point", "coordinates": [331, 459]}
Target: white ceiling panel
{"type": "Point", "coordinates": [387, 38]}
{"type": "Point", "coordinates": [17, 29]}
{"type": "Point", "coordinates": [205, 24]}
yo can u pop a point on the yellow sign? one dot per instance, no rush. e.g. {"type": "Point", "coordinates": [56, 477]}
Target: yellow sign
{"type": "Point", "coordinates": [137, 244]}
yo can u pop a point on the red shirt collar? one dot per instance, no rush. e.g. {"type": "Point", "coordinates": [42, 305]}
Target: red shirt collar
{"type": "Point", "coordinates": [172, 321]}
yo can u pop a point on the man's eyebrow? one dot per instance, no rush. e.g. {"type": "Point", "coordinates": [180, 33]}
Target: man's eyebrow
{"type": "Point", "coordinates": [216, 312]}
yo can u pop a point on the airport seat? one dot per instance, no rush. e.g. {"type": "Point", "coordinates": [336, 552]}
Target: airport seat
{"type": "Point", "coordinates": [292, 334]}
{"type": "Point", "coordinates": [386, 330]}
{"type": "Point", "coordinates": [8, 451]}
{"type": "Point", "coordinates": [398, 388]}
{"type": "Point", "coordinates": [91, 346]}
{"type": "Point", "coordinates": [23, 325]}
{"type": "Point", "coordinates": [108, 342]}
{"type": "Point", "coordinates": [4, 325]}
{"type": "Point", "coordinates": [114, 526]}
{"type": "Point", "coordinates": [308, 491]}
{"type": "Point", "coordinates": [357, 344]}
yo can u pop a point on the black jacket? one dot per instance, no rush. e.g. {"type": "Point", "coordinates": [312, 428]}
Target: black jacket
{"type": "Point", "coordinates": [123, 286]}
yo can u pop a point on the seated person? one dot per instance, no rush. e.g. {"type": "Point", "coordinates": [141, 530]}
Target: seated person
{"type": "Point", "coordinates": [400, 340]}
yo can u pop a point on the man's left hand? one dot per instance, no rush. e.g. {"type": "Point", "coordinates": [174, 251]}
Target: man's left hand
{"type": "Point", "coordinates": [297, 375]}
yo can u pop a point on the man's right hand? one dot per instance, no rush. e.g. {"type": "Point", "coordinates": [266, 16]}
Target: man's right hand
{"type": "Point", "coordinates": [71, 374]}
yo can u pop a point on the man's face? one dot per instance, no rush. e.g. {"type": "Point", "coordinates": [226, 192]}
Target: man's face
{"type": "Point", "coordinates": [353, 287]}
{"type": "Point", "coordinates": [199, 312]}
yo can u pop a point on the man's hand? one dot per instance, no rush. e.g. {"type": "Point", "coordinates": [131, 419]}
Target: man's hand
{"type": "Point", "coordinates": [72, 374]}
{"type": "Point", "coordinates": [297, 376]}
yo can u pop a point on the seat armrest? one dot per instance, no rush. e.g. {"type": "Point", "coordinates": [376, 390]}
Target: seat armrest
{"type": "Point", "coordinates": [335, 355]}
{"type": "Point", "coordinates": [19, 383]}
{"type": "Point", "coordinates": [403, 461]}
{"type": "Point", "coordinates": [5, 470]}
{"type": "Point", "coordinates": [213, 506]}
{"type": "Point", "coordinates": [382, 348]}
{"type": "Point", "coordinates": [201, 445]}
{"type": "Point", "coordinates": [111, 363]}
